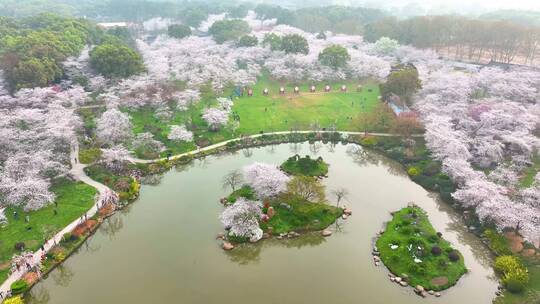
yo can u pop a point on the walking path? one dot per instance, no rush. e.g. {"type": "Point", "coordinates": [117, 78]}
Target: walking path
{"type": "Point", "coordinates": [77, 172]}
{"type": "Point", "coordinates": [223, 143]}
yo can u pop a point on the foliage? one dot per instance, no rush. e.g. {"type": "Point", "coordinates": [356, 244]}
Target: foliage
{"type": "Point", "coordinates": [413, 171]}
{"type": "Point", "coordinates": [334, 56]}
{"type": "Point", "coordinates": [294, 44]}
{"type": "Point", "coordinates": [116, 60]}
{"type": "Point", "coordinates": [245, 192]}
{"type": "Point", "coordinates": [403, 82]}
{"type": "Point", "coordinates": [232, 180]}
{"type": "Point", "coordinates": [272, 40]}
{"type": "Point", "coordinates": [306, 187]}
{"type": "Point", "coordinates": [514, 274]}
{"type": "Point", "coordinates": [179, 31]}
{"type": "Point", "coordinates": [90, 155]}
{"type": "Point", "coordinates": [299, 215]}
{"type": "Point", "coordinates": [265, 179]}
{"type": "Point", "coordinates": [247, 41]}
{"type": "Point", "coordinates": [14, 300]}
{"type": "Point", "coordinates": [242, 219]}
{"type": "Point", "coordinates": [297, 165]}
{"type": "Point", "coordinates": [226, 30]}
{"type": "Point", "coordinates": [497, 242]}
{"type": "Point", "coordinates": [386, 45]}
{"type": "Point", "coordinates": [19, 287]}
{"type": "Point", "coordinates": [418, 262]}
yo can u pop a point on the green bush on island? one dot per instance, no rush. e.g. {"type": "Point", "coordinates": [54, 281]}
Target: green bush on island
{"type": "Point", "coordinates": [245, 192]}
{"type": "Point", "coordinates": [307, 166]}
{"type": "Point", "coordinates": [410, 245]}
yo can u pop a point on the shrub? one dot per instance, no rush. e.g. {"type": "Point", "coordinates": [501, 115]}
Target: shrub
{"type": "Point", "coordinates": [516, 280]}
{"type": "Point", "coordinates": [497, 242]}
{"type": "Point", "coordinates": [433, 238]}
{"type": "Point", "coordinates": [442, 263]}
{"type": "Point", "coordinates": [14, 300]}
{"type": "Point", "coordinates": [431, 168]}
{"type": "Point", "coordinates": [247, 41]}
{"type": "Point", "coordinates": [90, 155]}
{"type": "Point", "coordinates": [369, 141]}
{"type": "Point", "coordinates": [59, 257]}
{"type": "Point", "coordinates": [507, 263]}
{"type": "Point", "coordinates": [436, 250]}
{"type": "Point", "coordinates": [19, 287]}
{"type": "Point", "coordinates": [453, 256]}
{"type": "Point", "coordinates": [20, 246]}
{"type": "Point", "coordinates": [413, 171]}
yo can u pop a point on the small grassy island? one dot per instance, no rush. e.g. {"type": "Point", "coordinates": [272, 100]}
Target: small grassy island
{"type": "Point", "coordinates": [270, 203]}
{"type": "Point", "coordinates": [306, 166]}
{"type": "Point", "coordinates": [417, 254]}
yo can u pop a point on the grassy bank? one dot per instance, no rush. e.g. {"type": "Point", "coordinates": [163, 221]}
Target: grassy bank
{"type": "Point", "coordinates": [411, 248]}
{"type": "Point", "coordinates": [297, 165]}
{"type": "Point", "coordinates": [72, 200]}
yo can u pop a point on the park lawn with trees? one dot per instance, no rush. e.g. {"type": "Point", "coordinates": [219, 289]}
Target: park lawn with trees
{"type": "Point", "coordinates": [410, 227]}
{"type": "Point", "coordinates": [72, 198]}
{"type": "Point", "coordinates": [260, 113]}
{"type": "Point", "coordinates": [307, 166]}
{"type": "Point", "coordinates": [276, 112]}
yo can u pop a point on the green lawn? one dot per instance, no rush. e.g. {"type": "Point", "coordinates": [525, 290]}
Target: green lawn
{"type": "Point", "coordinates": [277, 112]}
{"type": "Point", "coordinates": [73, 199]}
{"type": "Point", "coordinates": [263, 113]}
{"type": "Point", "coordinates": [412, 232]}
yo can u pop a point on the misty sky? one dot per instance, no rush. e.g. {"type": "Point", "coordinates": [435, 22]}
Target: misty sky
{"type": "Point", "coordinates": [468, 5]}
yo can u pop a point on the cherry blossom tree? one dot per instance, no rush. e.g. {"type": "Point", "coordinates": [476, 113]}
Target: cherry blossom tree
{"type": "Point", "coordinates": [265, 179]}
{"type": "Point", "coordinates": [114, 127]}
{"type": "Point", "coordinates": [215, 118]}
{"type": "Point", "coordinates": [242, 219]}
{"type": "Point", "coordinates": [145, 142]}
{"type": "Point", "coordinates": [114, 157]}
{"type": "Point", "coordinates": [180, 133]}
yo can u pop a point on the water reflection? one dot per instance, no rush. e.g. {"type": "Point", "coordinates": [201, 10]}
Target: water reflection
{"type": "Point", "coordinates": [63, 275]}
{"type": "Point", "coordinates": [245, 254]}
{"type": "Point", "coordinates": [111, 226]}
{"type": "Point", "coordinates": [295, 148]}
{"type": "Point", "coordinates": [40, 295]}
{"type": "Point", "coordinates": [152, 180]}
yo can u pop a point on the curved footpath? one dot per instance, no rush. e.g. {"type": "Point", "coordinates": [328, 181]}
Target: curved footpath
{"type": "Point", "coordinates": [77, 172]}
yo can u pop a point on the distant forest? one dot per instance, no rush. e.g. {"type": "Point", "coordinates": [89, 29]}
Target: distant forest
{"type": "Point", "coordinates": [503, 36]}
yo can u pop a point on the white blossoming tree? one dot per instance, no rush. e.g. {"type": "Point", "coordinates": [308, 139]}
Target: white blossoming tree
{"type": "Point", "coordinates": [215, 118]}
{"type": "Point", "coordinates": [114, 127]}
{"type": "Point", "coordinates": [180, 133]}
{"type": "Point", "coordinates": [242, 219]}
{"type": "Point", "coordinates": [265, 179]}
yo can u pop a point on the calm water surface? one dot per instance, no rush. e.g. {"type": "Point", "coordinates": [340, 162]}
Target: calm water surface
{"type": "Point", "coordinates": [162, 248]}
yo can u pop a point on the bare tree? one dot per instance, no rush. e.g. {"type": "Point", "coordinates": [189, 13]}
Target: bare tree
{"type": "Point", "coordinates": [340, 194]}
{"type": "Point", "coordinates": [232, 180]}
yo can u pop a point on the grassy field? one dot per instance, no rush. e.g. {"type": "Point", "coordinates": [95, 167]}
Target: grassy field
{"type": "Point", "coordinates": [73, 199]}
{"type": "Point", "coordinates": [410, 228]}
{"type": "Point", "coordinates": [260, 113]}
{"type": "Point", "coordinates": [276, 112]}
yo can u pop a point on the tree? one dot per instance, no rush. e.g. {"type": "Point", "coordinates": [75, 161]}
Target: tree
{"type": "Point", "coordinates": [146, 144]}
{"type": "Point", "coordinates": [266, 180]}
{"type": "Point", "coordinates": [114, 157]}
{"type": "Point", "coordinates": [294, 44]}
{"type": "Point", "coordinates": [226, 30]}
{"type": "Point", "coordinates": [242, 219]}
{"type": "Point", "coordinates": [233, 180]}
{"type": "Point", "coordinates": [247, 41]}
{"type": "Point", "coordinates": [403, 82]}
{"type": "Point", "coordinates": [215, 118]}
{"type": "Point", "coordinates": [272, 40]}
{"type": "Point", "coordinates": [180, 133]}
{"type": "Point", "coordinates": [306, 187]}
{"type": "Point", "coordinates": [334, 56]}
{"type": "Point", "coordinates": [340, 194]}
{"type": "Point", "coordinates": [378, 119]}
{"type": "Point", "coordinates": [178, 31]}
{"type": "Point", "coordinates": [386, 46]}
{"type": "Point", "coordinates": [116, 60]}
{"type": "Point", "coordinates": [406, 124]}
{"type": "Point", "coordinates": [114, 127]}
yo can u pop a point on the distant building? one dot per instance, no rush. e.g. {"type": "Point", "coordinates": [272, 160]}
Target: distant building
{"type": "Point", "coordinates": [108, 25]}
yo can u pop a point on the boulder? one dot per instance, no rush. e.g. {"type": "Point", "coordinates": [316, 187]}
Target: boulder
{"type": "Point", "coordinates": [419, 288]}
{"type": "Point", "coordinates": [227, 246]}
{"type": "Point", "coordinates": [220, 236]}
{"type": "Point", "coordinates": [326, 233]}
{"type": "Point", "coordinates": [403, 283]}
{"type": "Point", "coordinates": [286, 206]}
{"type": "Point", "coordinates": [377, 263]}
{"type": "Point", "coordinates": [424, 294]}
{"type": "Point", "coordinates": [431, 292]}
{"type": "Point", "coordinates": [398, 279]}
{"type": "Point", "coordinates": [347, 211]}
{"type": "Point", "coordinates": [266, 235]}
{"type": "Point", "coordinates": [437, 294]}
{"type": "Point", "coordinates": [344, 216]}
{"type": "Point", "coordinates": [392, 279]}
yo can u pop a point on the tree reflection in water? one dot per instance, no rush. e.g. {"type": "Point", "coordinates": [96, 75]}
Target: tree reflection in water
{"type": "Point", "coordinates": [62, 275]}
{"type": "Point", "coordinates": [364, 157]}
{"type": "Point", "coordinates": [40, 295]}
{"type": "Point", "coordinates": [315, 147]}
{"type": "Point", "coordinates": [248, 152]}
{"type": "Point", "coordinates": [247, 253]}
{"type": "Point", "coordinates": [111, 226]}
{"type": "Point", "coordinates": [295, 147]}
